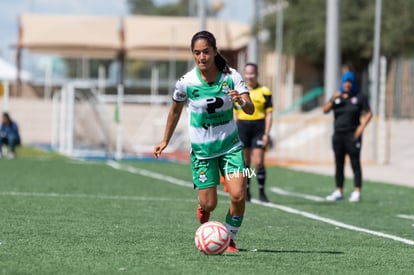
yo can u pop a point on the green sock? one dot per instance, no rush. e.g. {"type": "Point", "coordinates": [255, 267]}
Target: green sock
{"type": "Point", "coordinates": [233, 224]}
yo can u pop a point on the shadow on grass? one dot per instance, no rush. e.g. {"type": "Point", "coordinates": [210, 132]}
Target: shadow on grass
{"type": "Point", "coordinates": [291, 251]}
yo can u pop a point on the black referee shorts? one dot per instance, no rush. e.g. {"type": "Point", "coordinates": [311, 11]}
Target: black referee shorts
{"type": "Point", "coordinates": [251, 132]}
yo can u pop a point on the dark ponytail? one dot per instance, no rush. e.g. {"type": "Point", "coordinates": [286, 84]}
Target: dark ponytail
{"type": "Point", "coordinates": [219, 60]}
{"type": "Point", "coordinates": [221, 64]}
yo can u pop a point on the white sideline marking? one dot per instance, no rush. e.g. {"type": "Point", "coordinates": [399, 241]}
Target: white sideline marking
{"type": "Point", "coordinates": [299, 195]}
{"type": "Point", "coordinates": [155, 175]}
{"type": "Point", "coordinates": [336, 223]}
{"type": "Point", "coordinates": [287, 209]}
{"type": "Point", "coordinates": [85, 196]}
{"type": "Point", "coordinates": [408, 217]}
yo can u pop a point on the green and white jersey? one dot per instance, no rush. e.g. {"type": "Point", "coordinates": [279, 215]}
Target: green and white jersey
{"type": "Point", "coordinates": [213, 131]}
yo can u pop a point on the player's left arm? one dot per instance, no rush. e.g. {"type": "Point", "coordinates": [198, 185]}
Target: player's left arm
{"type": "Point", "coordinates": [365, 119]}
{"type": "Point", "coordinates": [246, 104]}
{"type": "Point", "coordinates": [268, 116]}
{"type": "Point", "coordinates": [240, 94]}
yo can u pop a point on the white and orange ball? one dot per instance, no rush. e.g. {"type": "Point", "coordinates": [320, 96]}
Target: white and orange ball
{"type": "Point", "coordinates": [212, 238]}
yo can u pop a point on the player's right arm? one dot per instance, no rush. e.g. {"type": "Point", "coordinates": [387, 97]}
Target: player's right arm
{"type": "Point", "coordinates": [329, 105]}
{"type": "Point", "coordinates": [172, 121]}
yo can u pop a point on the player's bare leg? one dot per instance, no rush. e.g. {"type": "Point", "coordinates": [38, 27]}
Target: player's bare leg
{"type": "Point", "coordinates": [207, 202]}
{"type": "Point", "coordinates": [237, 190]}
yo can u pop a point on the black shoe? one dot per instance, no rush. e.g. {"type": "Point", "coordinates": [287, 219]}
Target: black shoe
{"type": "Point", "coordinates": [248, 196]}
{"type": "Point", "coordinates": [263, 198]}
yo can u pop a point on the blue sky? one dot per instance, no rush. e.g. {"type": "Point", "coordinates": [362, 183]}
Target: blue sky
{"type": "Point", "coordinates": [9, 10]}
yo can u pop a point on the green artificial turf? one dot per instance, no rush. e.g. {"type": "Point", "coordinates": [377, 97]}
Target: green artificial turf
{"type": "Point", "coordinates": [63, 216]}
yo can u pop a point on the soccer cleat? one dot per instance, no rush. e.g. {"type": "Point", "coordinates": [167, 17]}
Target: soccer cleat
{"type": "Point", "coordinates": [335, 196]}
{"type": "Point", "coordinates": [355, 197]}
{"type": "Point", "coordinates": [263, 197]}
{"type": "Point", "coordinates": [225, 187]}
{"type": "Point", "coordinates": [232, 247]}
{"type": "Point", "coordinates": [202, 215]}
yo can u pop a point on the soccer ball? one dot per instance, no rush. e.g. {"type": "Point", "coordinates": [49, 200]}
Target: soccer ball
{"type": "Point", "coordinates": [212, 238]}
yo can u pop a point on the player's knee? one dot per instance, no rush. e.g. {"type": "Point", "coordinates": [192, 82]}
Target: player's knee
{"type": "Point", "coordinates": [208, 205]}
{"type": "Point", "coordinates": [237, 197]}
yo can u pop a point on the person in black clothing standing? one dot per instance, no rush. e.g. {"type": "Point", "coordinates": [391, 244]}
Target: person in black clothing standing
{"type": "Point", "coordinates": [348, 105]}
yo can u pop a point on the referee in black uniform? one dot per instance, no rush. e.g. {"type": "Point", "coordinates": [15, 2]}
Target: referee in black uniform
{"type": "Point", "coordinates": [351, 115]}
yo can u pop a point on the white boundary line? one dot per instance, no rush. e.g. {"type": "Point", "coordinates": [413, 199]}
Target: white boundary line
{"type": "Point", "coordinates": [337, 223]}
{"type": "Point", "coordinates": [154, 175]}
{"type": "Point", "coordinates": [408, 217]}
{"type": "Point", "coordinates": [85, 196]}
{"type": "Point", "coordinates": [287, 209]}
{"type": "Point", "coordinates": [299, 195]}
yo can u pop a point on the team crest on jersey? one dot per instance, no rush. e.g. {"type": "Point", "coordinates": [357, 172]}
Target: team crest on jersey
{"type": "Point", "coordinates": [354, 100]}
{"type": "Point", "coordinates": [225, 88]}
{"type": "Point", "coordinates": [202, 177]}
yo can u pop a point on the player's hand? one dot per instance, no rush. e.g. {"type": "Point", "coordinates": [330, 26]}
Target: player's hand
{"type": "Point", "coordinates": [336, 95]}
{"type": "Point", "coordinates": [265, 140]}
{"type": "Point", "coordinates": [235, 96]}
{"type": "Point", "coordinates": [358, 132]}
{"type": "Point", "coordinates": [159, 148]}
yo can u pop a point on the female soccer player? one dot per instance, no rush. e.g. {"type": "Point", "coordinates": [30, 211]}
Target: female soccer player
{"type": "Point", "coordinates": [348, 105]}
{"type": "Point", "coordinates": [209, 92]}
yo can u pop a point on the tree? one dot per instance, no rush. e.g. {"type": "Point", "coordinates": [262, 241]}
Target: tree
{"type": "Point", "coordinates": [147, 7]}
{"type": "Point", "coordinates": [179, 8]}
{"type": "Point", "coordinates": [304, 30]}
{"type": "Point", "coordinates": [141, 6]}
